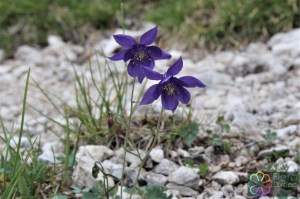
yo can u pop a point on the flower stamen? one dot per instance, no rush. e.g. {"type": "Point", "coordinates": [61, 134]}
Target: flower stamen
{"type": "Point", "coordinates": [170, 88]}
{"type": "Point", "coordinates": [141, 56]}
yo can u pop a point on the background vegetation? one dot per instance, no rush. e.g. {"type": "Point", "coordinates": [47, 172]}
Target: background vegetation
{"type": "Point", "coordinates": [214, 23]}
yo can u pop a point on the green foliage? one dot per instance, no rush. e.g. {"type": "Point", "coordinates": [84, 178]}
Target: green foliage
{"type": "Point", "coordinates": [32, 20]}
{"type": "Point", "coordinates": [99, 190]}
{"type": "Point", "coordinates": [270, 136]}
{"type": "Point", "coordinates": [226, 22]}
{"type": "Point", "coordinates": [225, 128]}
{"type": "Point", "coordinates": [189, 132]}
{"type": "Point", "coordinates": [153, 192]}
{"type": "Point", "coordinates": [196, 22]}
{"type": "Point", "coordinates": [215, 138]}
{"type": "Point", "coordinates": [297, 157]}
{"type": "Point", "coordinates": [203, 170]}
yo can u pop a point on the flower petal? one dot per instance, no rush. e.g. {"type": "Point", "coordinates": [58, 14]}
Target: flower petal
{"type": "Point", "coordinates": [148, 37]}
{"type": "Point", "coordinates": [189, 81]}
{"type": "Point", "coordinates": [148, 63]}
{"type": "Point", "coordinates": [151, 74]}
{"type": "Point", "coordinates": [169, 102]}
{"type": "Point", "coordinates": [128, 55]}
{"type": "Point", "coordinates": [165, 78]}
{"type": "Point", "coordinates": [133, 70]}
{"type": "Point", "coordinates": [154, 51]}
{"type": "Point", "coordinates": [150, 95]}
{"type": "Point", "coordinates": [119, 55]}
{"type": "Point", "coordinates": [141, 75]}
{"type": "Point", "coordinates": [175, 68]}
{"type": "Point", "coordinates": [183, 95]}
{"type": "Point", "coordinates": [125, 41]}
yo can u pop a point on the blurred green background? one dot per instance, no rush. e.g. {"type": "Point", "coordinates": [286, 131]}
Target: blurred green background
{"type": "Point", "coordinates": [215, 24]}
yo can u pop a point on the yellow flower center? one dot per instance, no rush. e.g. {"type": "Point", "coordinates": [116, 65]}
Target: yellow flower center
{"type": "Point", "coordinates": [140, 56]}
{"type": "Point", "coordinates": [170, 88]}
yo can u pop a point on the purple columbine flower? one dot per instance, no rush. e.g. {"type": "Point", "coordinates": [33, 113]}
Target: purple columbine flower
{"type": "Point", "coordinates": [140, 54]}
{"type": "Point", "coordinates": [170, 88]}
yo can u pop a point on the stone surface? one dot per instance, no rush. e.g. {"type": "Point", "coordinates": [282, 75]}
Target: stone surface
{"type": "Point", "coordinates": [157, 154]}
{"type": "Point", "coordinates": [226, 177]}
{"type": "Point", "coordinates": [184, 176]}
{"type": "Point", "coordinates": [166, 167]}
{"type": "Point", "coordinates": [184, 191]}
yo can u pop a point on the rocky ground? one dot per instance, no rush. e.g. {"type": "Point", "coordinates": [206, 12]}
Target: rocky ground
{"type": "Point", "coordinates": [255, 88]}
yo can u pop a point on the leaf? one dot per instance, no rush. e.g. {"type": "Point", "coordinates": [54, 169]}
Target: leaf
{"type": "Point", "coordinates": [154, 192]}
{"type": "Point", "coordinates": [189, 132]}
{"type": "Point", "coordinates": [225, 128]}
{"type": "Point", "coordinates": [203, 170]}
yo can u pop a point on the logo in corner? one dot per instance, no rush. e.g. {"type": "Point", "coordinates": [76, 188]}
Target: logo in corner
{"type": "Point", "coordinates": [260, 184]}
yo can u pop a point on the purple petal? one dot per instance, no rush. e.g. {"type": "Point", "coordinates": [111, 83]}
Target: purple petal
{"type": "Point", "coordinates": [189, 81]}
{"type": "Point", "coordinates": [141, 75]}
{"type": "Point", "coordinates": [148, 37]}
{"type": "Point", "coordinates": [119, 55]}
{"type": "Point", "coordinates": [148, 63]}
{"type": "Point", "coordinates": [125, 41]}
{"type": "Point", "coordinates": [175, 68]}
{"type": "Point", "coordinates": [128, 55]}
{"type": "Point", "coordinates": [165, 78]}
{"type": "Point", "coordinates": [164, 55]}
{"type": "Point", "coordinates": [169, 102]}
{"type": "Point", "coordinates": [157, 53]}
{"type": "Point", "coordinates": [183, 95]}
{"type": "Point", "coordinates": [150, 95]}
{"type": "Point", "coordinates": [133, 70]}
{"type": "Point", "coordinates": [151, 74]}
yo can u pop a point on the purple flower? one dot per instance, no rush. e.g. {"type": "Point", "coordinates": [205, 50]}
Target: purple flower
{"type": "Point", "coordinates": [140, 54]}
{"type": "Point", "coordinates": [170, 88]}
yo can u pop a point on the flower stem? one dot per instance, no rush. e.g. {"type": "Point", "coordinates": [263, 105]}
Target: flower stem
{"type": "Point", "coordinates": [153, 143]}
{"type": "Point", "coordinates": [126, 135]}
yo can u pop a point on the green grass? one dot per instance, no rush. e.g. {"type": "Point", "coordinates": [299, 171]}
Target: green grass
{"type": "Point", "coordinates": [224, 23]}
{"type": "Point", "coordinates": [214, 23]}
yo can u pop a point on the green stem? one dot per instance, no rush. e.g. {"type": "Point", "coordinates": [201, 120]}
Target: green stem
{"type": "Point", "coordinates": [22, 123]}
{"type": "Point", "coordinates": [153, 143]}
{"type": "Point", "coordinates": [126, 134]}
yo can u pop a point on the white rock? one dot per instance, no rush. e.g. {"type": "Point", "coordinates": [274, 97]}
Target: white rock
{"type": "Point", "coordinates": [217, 195]}
{"type": "Point", "coordinates": [272, 150]}
{"type": "Point", "coordinates": [183, 153]}
{"type": "Point", "coordinates": [2, 55]}
{"type": "Point", "coordinates": [29, 55]}
{"type": "Point", "coordinates": [157, 154]}
{"type": "Point", "coordinates": [293, 166]}
{"type": "Point", "coordinates": [24, 142]}
{"type": "Point", "coordinates": [114, 169]}
{"type": "Point", "coordinates": [166, 167]}
{"type": "Point", "coordinates": [154, 178]}
{"type": "Point", "coordinates": [285, 132]}
{"type": "Point", "coordinates": [94, 153]}
{"type": "Point", "coordinates": [226, 177]}
{"type": "Point", "coordinates": [55, 41]}
{"type": "Point", "coordinates": [184, 191]}
{"type": "Point", "coordinates": [184, 176]}
{"type": "Point", "coordinates": [228, 191]}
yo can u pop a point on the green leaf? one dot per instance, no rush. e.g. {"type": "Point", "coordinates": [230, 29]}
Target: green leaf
{"type": "Point", "coordinates": [270, 136]}
{"type": "Point", "coordinates": [189, 132]}
{"type": "Point", "coordinates": [203, 169]}
{"type": "Point", "coordinates": [154, 192]}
